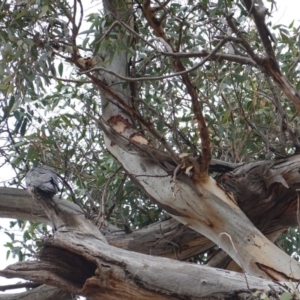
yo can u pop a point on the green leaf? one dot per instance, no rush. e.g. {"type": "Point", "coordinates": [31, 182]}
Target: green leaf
{"type": "Point", "coordinates": [7, 254]}
{"type": "Point", "coordinates": [19, 144]}
{"type": "Point", "coordinates": [48, 142]}
{"type": "Point", "coordinates": [239, 78]}
{"type": "Point", "coordinates": [31, 153]}
{"type": "Point", "coordinates": [26, 236]}
{"type": "Point", "coordinates": [11, 235]}
{"type": "Point", "coordinates": [24, 127]}
{"type": "Point", "coordinates": [23, 13]}
{"type": "Point", "coordinates": [44, 10]}
{"type": "Point", "coordinates": [85, 41]}
{"type": "Point", "coordinates": [226, 117]}
{"type": "Point", "coordinates": [284, 37]}
{"type": "Point", "coordinates": [159, 125]}
{"type": "Point", "coordinates": [286, 296]}
{"type": "Point", "coordinates": [60, 69]}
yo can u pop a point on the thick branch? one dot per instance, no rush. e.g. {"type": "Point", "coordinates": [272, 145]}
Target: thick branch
{"type": "Point", "coordinates": [270, 64]}
{"type": "Point", "coordinates": [270, 201]}
{"type": "Point", "coordinates": [18, 204]}
{"type": "Point", "coordinates": [202, 166]}
{"type": "Point", "coordinates": [258, 11]}
{"type": "Point", "coordinates": [125, 275]}
{"type": "Point", "coordinates": [210, 211]}
{"type": "Point", "coordinates": [15, 286]}
{"type": "Point", "coordinates": [167, 238]}
{"type": "Point", "coordinates": [42, 292]}
{"type": "Point", "coordinates": [214, 57]}
{"type": "Point", "coordinates": [80, 261]}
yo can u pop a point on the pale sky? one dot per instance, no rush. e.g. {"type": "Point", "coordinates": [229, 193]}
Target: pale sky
{"type": "Point", "coordinates": [287, 11]}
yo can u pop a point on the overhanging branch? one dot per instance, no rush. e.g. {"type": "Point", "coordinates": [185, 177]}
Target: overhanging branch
{"type": "Point", "coordinates": [269, 64]}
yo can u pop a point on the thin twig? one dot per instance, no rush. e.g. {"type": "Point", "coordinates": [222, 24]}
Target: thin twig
{"type": "Point", "coordinates": [152, 78]}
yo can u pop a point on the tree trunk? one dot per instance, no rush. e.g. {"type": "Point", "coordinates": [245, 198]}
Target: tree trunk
{"type": "Point", "coordinates": [88, 245]}
{"type": "Point", "coordinates": [234, 211]}
{"type": "Point", "coordinates": [198, 202]}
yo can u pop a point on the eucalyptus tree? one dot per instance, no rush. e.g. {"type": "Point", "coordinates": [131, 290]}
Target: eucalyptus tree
{"type": "Point", "coordinates": [173, 128]}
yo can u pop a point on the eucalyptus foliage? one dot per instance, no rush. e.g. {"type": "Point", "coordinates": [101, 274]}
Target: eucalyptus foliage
{"type": "Point", "coordinates": [49, 108]}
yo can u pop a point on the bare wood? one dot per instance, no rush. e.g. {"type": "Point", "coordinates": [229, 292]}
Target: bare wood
{"type": "Point", "coordinates": [18, 204]}
{"type": "Point", "coordinates": [270, 201]}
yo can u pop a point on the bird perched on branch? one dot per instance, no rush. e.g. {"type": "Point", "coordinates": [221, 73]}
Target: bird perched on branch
{"type": "Point", "coordinates": [42, 184]}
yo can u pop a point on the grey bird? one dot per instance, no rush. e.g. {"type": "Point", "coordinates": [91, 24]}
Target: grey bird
{"type": "Point", "coordinates": [42, 184]}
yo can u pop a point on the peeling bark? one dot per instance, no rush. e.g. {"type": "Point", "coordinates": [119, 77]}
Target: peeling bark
{"type": "Point", "coordinates": [267, 192]}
